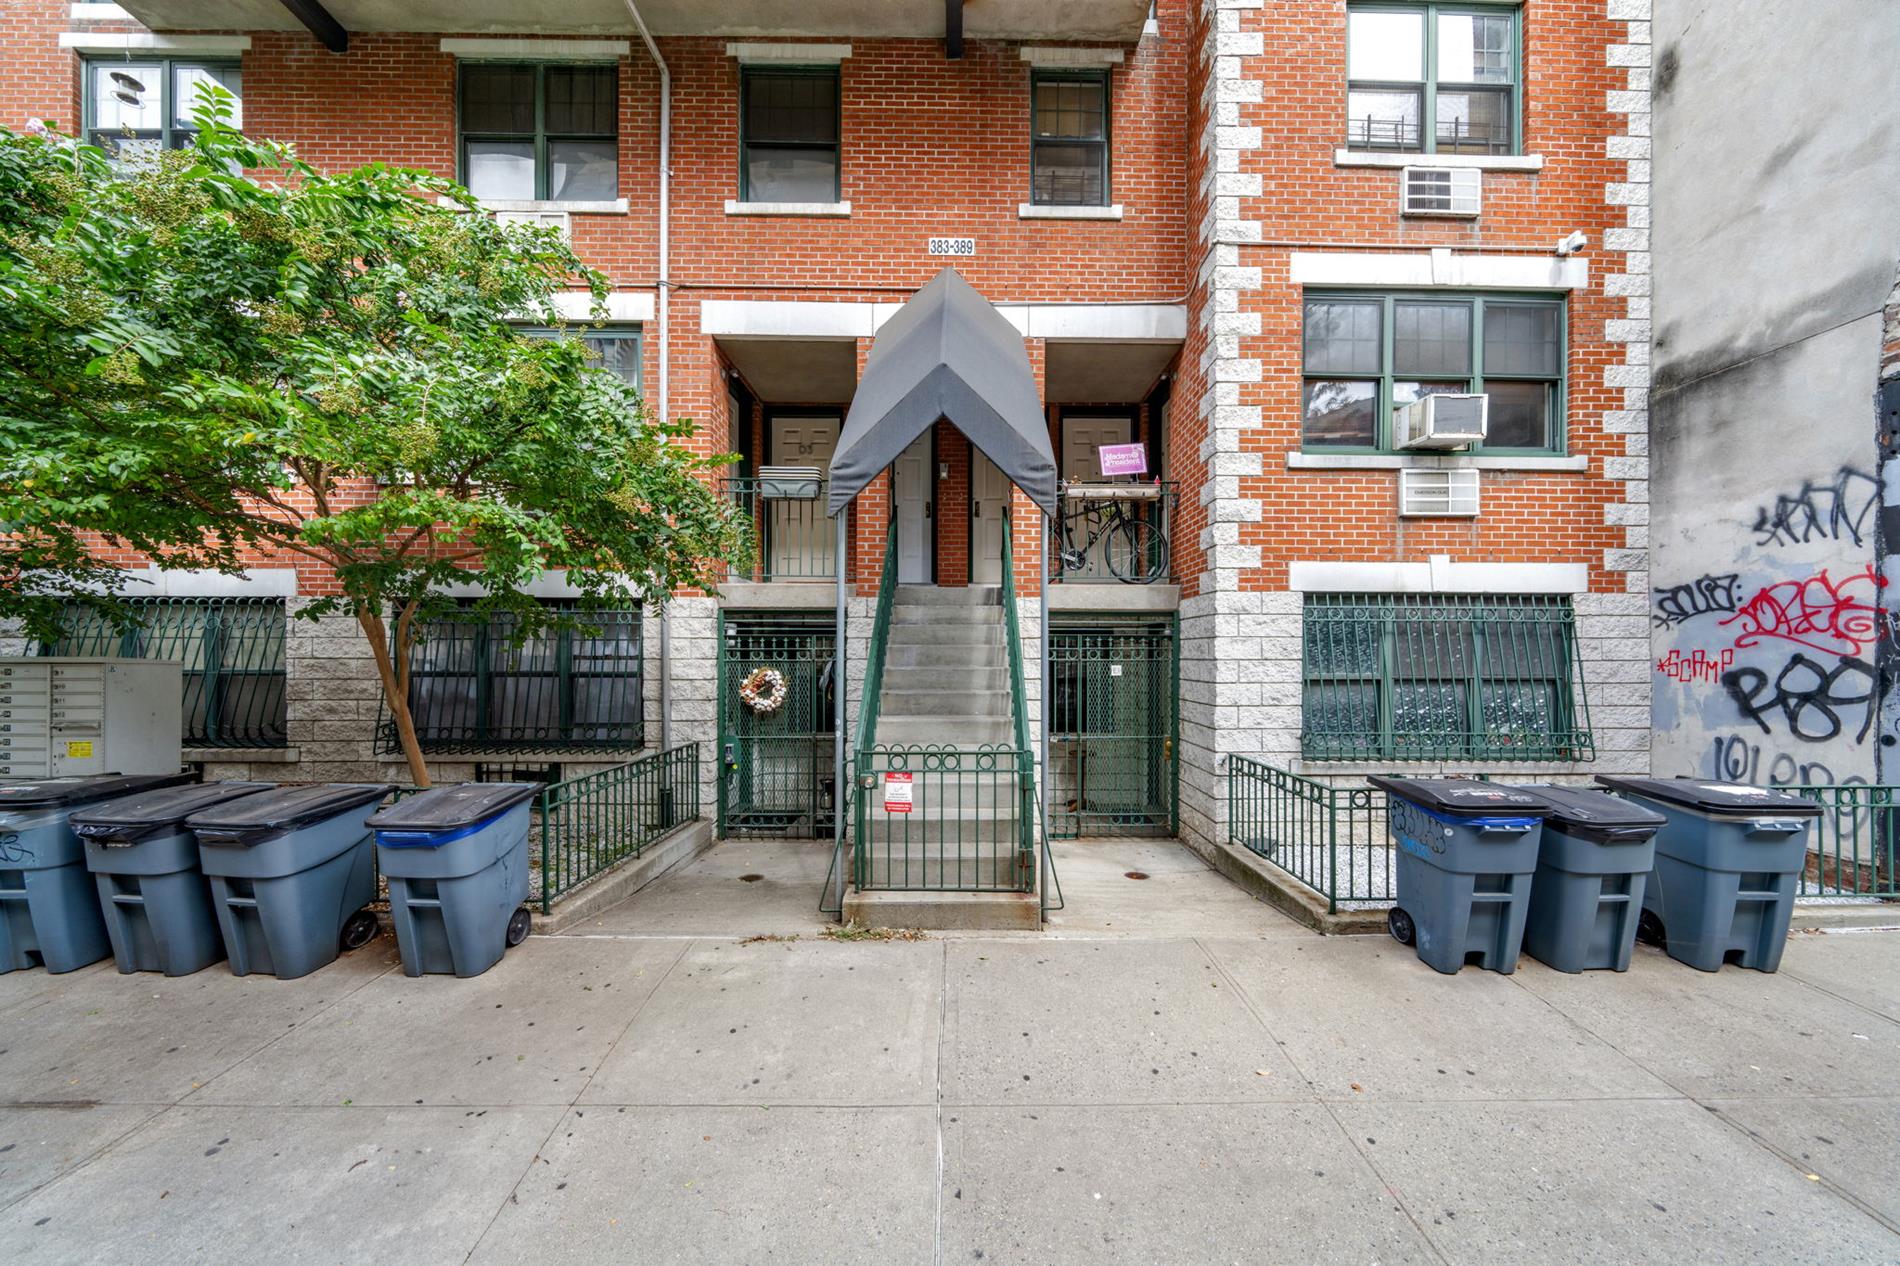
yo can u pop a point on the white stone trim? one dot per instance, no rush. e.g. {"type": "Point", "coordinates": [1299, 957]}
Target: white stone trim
{"type": "Point", "coordinates": [788, 54]}
{"type": "Point", "coordinates": [1057, 57]}
{"type": "Point", "coordinates": [98, 13]}
{"type": "Point", "coordinates": [622, 305]}
{"type": "Point", "coordinates": [1439, 266]}
{"type": "Point", "coordinates": [1438, 574]}
{"type": "Point", "coordinates": [605, 206]}
{"type": "Point", "coordinates": [476, 49]}
{"type": "Point", "coordinates": [146, 42]}
{"type": "Point", "coordinates": [1062, 322]}
{"type": "Point", "coordinates": [256, 582]}
{"type": "Point", "coordinates": [1483, 162]}
{"type": "Point", "coordinates": [1626, 261]}
{"type": "Point", "coordinates": [1034, 211]}
{"type": "Point", "coordinates": [1407, 461]}
{"type": "Point", "coordinates": [735, 207]}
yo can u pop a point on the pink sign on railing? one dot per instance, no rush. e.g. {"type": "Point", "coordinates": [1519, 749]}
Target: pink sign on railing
{"type": "Point", "coordinates": [1123, 459]}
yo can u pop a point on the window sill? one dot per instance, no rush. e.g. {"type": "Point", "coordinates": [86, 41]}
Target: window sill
{"type": "Point", "coordinates": [1035, 211]}
{"type": "Point", "coordinates": [1483, 162]}
{"type": "Point", "coordinates": [788, 208]}
{"type": "Point", "coordinates": [616, 206]}
{"type": "Point", "coordinates": [1411, 461]}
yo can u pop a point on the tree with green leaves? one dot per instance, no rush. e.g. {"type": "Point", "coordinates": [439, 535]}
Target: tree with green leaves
{"type": "Point", "coordinates": [222, 354]}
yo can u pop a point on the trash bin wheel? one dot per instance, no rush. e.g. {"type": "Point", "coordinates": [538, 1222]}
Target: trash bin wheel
{"type": "Point", "coordinates": [359, 930]}
{"type": "Point", "coordinates": [518, 924]}
{"type": "Point", "coordinates": [1649, 930]}
{"type": "Point", "coordinates": [1399, 924]}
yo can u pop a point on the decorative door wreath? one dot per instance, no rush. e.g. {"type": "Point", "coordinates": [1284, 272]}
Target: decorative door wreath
{"type": "Point", "coordinates": [763, 690]}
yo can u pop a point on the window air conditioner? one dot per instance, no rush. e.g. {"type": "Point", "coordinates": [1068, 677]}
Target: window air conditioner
{"type": "Point", "coordinates": [540, 219]}
{"type": "Point", "coordinates": [1435, 493]}
{"type": "Point", "coordinates": [1441, 421]}
{"type": "Point", "coordinates": [1455, 191]}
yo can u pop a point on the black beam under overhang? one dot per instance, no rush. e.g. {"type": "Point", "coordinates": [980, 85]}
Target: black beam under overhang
{"type": "Point", "coordinates": [318, 22]}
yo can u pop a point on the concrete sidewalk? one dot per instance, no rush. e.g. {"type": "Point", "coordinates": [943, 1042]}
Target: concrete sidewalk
{"type": "Point", "coordinates": [647, 1093]}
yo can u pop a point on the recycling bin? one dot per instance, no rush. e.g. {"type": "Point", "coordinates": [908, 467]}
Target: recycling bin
{"type": "Point", "coordinates": [49, 909]}
{"type": "Point", "coordinates": [156, 899]}
{"type": "Point", "coordinates": [1727, 858]}
{"type": "Point", "coordinates": [291, 871]}
{"type": "Point", "coordinates": [456, 859]}
{"type": "Point", "coordinates": [1466, 852]}
{"type": "Point", "coordinates": [1595, 853]}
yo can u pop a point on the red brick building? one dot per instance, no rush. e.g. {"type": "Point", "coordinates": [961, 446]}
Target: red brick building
{"type": "Point", "coordinates": [1298, 249]}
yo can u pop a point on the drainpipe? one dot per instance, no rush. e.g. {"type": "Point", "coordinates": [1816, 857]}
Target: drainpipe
{"type": "Point", "coordinates": [666, 330]}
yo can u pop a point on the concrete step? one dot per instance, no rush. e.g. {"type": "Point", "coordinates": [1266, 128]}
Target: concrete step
{"type": "Point", "coordinates": [943, 731]}
{"type": "Point", "coordinates": [949, 596]}
{"type": "Point", "coordinates": [933, 703]}
{"type": "Point", "coordinates": [941, 633]}
{"type": "Point", "coordinates": [945, 911]}
{"type": "Point", "coordinates": [902, 615]}
{"type": "Point", "coordinates": [926, 837]}
{"type": "Point", "coordinates": [926, 655]}
{"type": "Point", "coordinates": [949, 676]}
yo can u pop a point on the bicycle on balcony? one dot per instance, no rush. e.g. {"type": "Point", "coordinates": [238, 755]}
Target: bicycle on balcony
{"type": "Point", "coordinates": [1112, 526]}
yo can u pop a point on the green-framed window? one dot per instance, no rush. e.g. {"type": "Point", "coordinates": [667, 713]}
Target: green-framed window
{"type": "Point", "coordinates": [1492, 677]}
{"type": "Point", "coordinates": [232, 650]}
{"type": "Point", "coordinates": [1068, 138]}
{"type": "Point", "coordinates": [475, 687]}
{"type": "Point", "coordinates": [1366, 355]}
{"type": "Point", "coordinates": [788, 134]}
{"type": "Point", "coordinates": [136, 107]}
{"type": "Point", "coordinates": [1434, 78]}
{"type": "Point", "coordinates": [616, 349]}
{"type": "Point", "coordinates": [540, 131]}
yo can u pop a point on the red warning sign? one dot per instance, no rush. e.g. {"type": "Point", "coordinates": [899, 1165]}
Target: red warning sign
{"type": "Point", "coordinates": [897, 791]}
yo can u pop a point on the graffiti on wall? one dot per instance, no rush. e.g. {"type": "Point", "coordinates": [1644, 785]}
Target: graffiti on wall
{"type": "Point", "coordinates": [1838, 509]}
{"type": "Point", "coordinates": [1705, 595]}
{"type": "Point", "coordinates": [1736, 759]}
{"type": "Point", "coordinates": [1834, 617]}
{"type": "Point", "coordinates": [1696, 666]}
{"type": "Point", "coordinates": [1813, 702]}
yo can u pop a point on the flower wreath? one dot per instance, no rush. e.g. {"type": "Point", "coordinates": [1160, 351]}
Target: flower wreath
{"type": "Point", "coordinates": [763, 690]}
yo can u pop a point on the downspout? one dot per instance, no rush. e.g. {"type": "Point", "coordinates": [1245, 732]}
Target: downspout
{"type": "Point", "coordinates": [666, 331]}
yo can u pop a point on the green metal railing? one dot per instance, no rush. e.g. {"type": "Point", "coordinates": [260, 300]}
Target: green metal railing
{"type": "Point", "coordinates": [793, 539]}
{"type": "Point", "coordinates": [232, 650]}
{"type": "Point", "coordinates": [1495, 678]}
{"type": "Point", "coordinates": [775, 768]}
{"type": "Point", "coordinates": [1113, 728]}
{"type": "Point", "coordinates": [1855, 848]}
{"type": "Point", "coordinates": [1331, 838]}
{"type": "Point", "coordinates": [592, 823]}
{"type": "Point", "coordinates": [1028, 827]}
{"type": "Point", "coordinates": [872, 701]}
{"type": "Point", "coordinates": [475, 687]}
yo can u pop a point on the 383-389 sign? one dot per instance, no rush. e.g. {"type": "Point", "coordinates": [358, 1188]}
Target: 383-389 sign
{"type": "Point", "coordinates": [959, 246]}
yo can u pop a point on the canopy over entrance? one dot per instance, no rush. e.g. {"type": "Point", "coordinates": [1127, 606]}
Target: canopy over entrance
{"type": "Point", "coordinates": [947, 356]}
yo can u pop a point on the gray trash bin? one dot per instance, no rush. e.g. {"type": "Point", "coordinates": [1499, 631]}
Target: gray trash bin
{"type": "Point", "coordinates": [291, 871]}
{"type": "Point", "coordinates": [49, 909]}
{"type": "Point", "coordinates": [156, 899]}
{"type": "Point", "coordinates": [456, 859]}
{"type": "Point", "coordinates": [1727, 858]}
{"type": "Point", "coordinates": [1594, 856]}
{"type": "Point", "coordinates": [1466, 851]}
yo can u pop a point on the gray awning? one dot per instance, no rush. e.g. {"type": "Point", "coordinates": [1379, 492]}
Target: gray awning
{"type": "Point", "coordinates": [947, 356]}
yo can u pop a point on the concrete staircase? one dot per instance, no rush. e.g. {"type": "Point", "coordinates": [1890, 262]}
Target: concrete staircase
{"type": "Point", "coordinates": [946, 684]}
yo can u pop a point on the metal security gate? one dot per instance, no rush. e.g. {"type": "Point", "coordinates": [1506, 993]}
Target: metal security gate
{"type": "Point", "coordinates": [775, 766]}
{"type": "Point", "coordinates": [1114, 728]}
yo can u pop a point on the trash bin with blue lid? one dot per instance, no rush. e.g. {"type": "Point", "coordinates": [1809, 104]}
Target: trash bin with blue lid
{"type": "Point", "coordinates": [155, 896]}
{"type": "Point", "coordinates": [49, 909]}
{"type": "Point", "coordinates": [1466, 852]}
{"type": "Point", "coordinates": [456, 859]}
{"type": "Point", "coordinates": [291, 871]}
{"type": "Point", "coordinates": [1727, 861]}
{"type": "Point", "coordinates": [1593, 860]}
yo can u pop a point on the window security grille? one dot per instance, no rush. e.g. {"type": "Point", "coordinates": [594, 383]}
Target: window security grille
{"type": "Point", "coordinates": [1442, 191]}
{"type": "Point", "coordinates": [1438, 493]}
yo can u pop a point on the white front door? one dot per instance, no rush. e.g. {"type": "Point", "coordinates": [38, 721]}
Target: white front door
{"type": "Point", "coordinates": [911, 491]}
{"type": "Point", "coordinates": [989, 503]}
{"type": "Point", "coordinates": [1081, 438]}
{"type": "Point", "coordinates": [799, 541]}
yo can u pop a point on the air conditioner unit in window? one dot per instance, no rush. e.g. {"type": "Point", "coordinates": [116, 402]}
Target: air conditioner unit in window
{"type": "Point", "coordinates": [542, 219]}
{"type": "Point", "coordinates": [1441, 421]}
{"type": "Point", "coordinates": [1438, 493]}
{"type": "Point", "coordinates": [1440, 191]}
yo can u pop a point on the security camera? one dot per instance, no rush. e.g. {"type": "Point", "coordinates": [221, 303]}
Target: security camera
{"type": "Point", "coordinates": [1572, 244]}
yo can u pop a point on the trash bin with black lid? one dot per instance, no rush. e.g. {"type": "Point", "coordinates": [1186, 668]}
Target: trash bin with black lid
{"type": "Point", "coordinates": [291, 871]}
{"type": "Point", "coordinates": [49, 909]}
{"type": "Point", "coordinates": [1466, 852]}
{"type": "Point", "coordinates": [1587, 895]}
{"type": "Point", "coordinates": [1727, 858]}
{"type": "Point", "coordinates": [456, 859]}
{"type": "Point", "coordinates": [155, 896]}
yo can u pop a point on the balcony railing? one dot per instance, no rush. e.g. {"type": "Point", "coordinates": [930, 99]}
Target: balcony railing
{"type": "Point", "coordinates": [795, 539]}
{"type": "Point", "coordinates": [1106, 540]}
{"type": "Point", "coordinates": [1454, 136]}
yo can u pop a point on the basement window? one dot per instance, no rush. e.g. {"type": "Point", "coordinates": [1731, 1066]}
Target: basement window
{"type": "Point", "coordinates": [788, 135]}
{"type": "Point", "coordinates": [537, 132]}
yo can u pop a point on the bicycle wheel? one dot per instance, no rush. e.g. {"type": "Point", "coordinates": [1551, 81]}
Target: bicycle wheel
{"type": "Point", "coordinates": [1136, 552]}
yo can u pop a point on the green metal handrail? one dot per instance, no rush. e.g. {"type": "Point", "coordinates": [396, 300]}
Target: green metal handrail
{"type": "Point", "coordinates": [1854, 850]}
{"type": "Point", "coordinates": [592, 823]}
{"type": "Point", "coordinates": [1027, 815]}
{"type": "Point", "coordinates": [880, 638]}
{"type": "Point", "coordinates": [1331, 838]}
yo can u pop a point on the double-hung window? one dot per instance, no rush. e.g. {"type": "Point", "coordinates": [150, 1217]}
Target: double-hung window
{"type": "Point", "coordinates": [538, 132]}
{"type": "Point", "coordinates": [136, 108]}
{"type": "Point", "coordinates": [1367, 355]}
{"type": "Point", "coordinates": [1433, 78]}
{"type": "Point", "coordinates": [1068, 141]}
{"type": "Point", "coordinates": [615, 349]}
{"type": "Point", "coordinates": [788, 134]}
{"type": "Point", "coordinates": [1424, 677]}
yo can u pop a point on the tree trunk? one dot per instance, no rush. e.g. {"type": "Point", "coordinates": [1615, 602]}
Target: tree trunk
{"type": "Point", "coordinates": [395, 692]}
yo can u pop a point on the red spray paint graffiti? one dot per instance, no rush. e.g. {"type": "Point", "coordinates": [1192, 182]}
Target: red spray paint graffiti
{"type": "Point", "coordinates": [1695, 666]}
{"type": "Point", "coordinates": [1835, 617]}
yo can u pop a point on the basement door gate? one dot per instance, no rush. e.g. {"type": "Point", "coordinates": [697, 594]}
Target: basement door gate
{"type": "Point", "coordinates": [775, 774]}
{"type": "Point", "coordinates": [1114, 728]}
